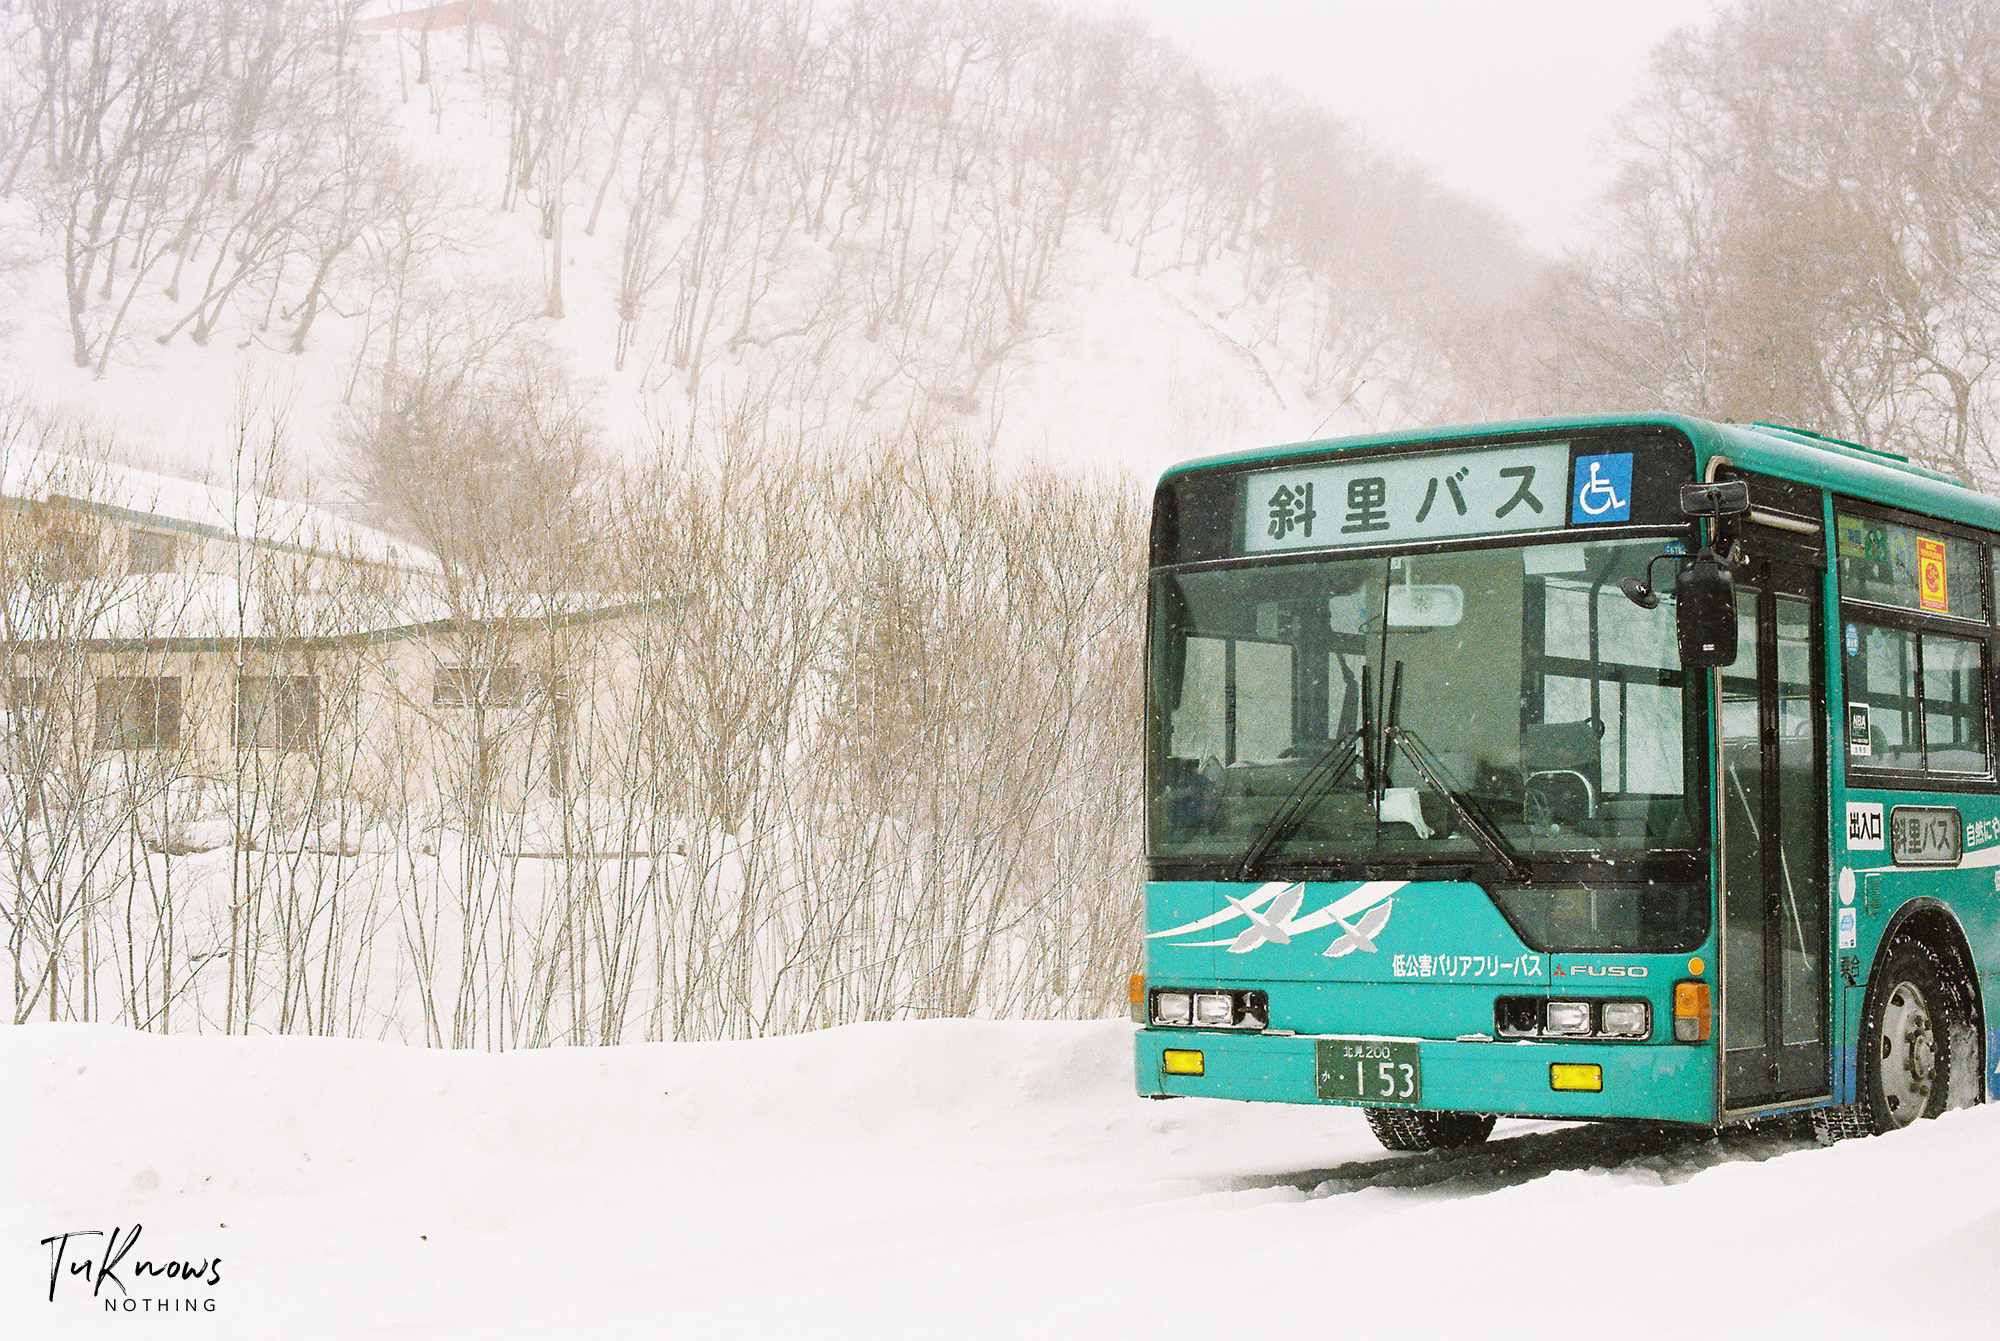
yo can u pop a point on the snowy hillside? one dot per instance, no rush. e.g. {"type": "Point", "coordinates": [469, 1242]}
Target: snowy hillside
{"type": "Point", "coordinates": [918, 1179]}
{"type": "Point", "coordinates": [1050, 235]}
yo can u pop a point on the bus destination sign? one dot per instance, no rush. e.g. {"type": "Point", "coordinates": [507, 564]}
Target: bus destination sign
{"type": "Point", "coordinates": [1385, 499]}
{"type": "Point", "coordinates": [1925, 836]}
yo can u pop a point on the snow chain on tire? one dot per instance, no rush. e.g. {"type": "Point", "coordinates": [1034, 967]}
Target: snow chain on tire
{"type": "Point", "coordinates": [1425, 1129]}
{"type": "Point", "coordinates": [1841, 1122]}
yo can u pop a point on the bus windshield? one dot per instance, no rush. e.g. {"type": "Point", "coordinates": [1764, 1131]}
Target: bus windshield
{"type": "Point", "coordinates": [1494, 704]}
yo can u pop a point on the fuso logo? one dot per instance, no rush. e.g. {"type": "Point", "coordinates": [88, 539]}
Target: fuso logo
{"type": "Point", "coordinates": [1864, 826]}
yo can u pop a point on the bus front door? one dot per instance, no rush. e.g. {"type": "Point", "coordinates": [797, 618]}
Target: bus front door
{"type": "Point", "coordinates": [1771, 806]}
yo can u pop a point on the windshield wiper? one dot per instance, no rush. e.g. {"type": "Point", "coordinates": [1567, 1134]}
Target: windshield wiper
{"type": "Point", "coordinates": [1317, 784]}
{"type": "Point", "coordinates": [1477, 822]}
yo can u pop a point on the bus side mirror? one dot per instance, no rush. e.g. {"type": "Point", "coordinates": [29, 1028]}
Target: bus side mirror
{"type": "Point", "coordinates": [1723, 498]}
{"type": "Point", "coordinates": [1705, 612]}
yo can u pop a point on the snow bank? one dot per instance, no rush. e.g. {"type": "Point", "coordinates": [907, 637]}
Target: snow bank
{"type": "Point", "coordinates": [939, 1178]}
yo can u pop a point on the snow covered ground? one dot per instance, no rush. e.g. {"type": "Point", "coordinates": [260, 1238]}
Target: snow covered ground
{"type": "Point", "coordinates": [931, 1179]}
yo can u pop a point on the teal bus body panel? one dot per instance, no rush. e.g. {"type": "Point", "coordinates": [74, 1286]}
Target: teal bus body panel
{"type": "Point", "coordinates": [1661, 1082]}
{"type": "Point", "coordinates": [1426, 920]}
{"type": "Point", "coordinates": [1968, 893]}
{"type": "Point", "coordinates": [1827, 464]}
{"type": "Point", "coordinates": [1407, 960]}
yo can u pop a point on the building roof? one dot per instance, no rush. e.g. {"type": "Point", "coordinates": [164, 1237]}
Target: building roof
{"type": "Point", "coordinates": [236, 514]}
{"type": "Point", "coordinates": [196, 611]}
{"type": "Point", "coordinates": [240, 602]}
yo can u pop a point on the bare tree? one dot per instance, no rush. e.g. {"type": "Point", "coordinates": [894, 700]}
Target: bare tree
{"type": "Point", "coordinates": [1803, 230]}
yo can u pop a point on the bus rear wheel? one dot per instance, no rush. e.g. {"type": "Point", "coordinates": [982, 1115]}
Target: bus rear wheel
{"type": "Point", "coordinates": [1426, 1129]}
{"type": "Point", "coordinates": [1906, 1033]}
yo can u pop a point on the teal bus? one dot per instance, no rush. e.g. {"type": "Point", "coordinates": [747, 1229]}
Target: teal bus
{"type": "Point", "coordinates": [1626, 768]}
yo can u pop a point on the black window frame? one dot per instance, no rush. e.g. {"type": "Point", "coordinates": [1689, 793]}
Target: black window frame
{"type": "Point", "coordinates": [1982, 631]}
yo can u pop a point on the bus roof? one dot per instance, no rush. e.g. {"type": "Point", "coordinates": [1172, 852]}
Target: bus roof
{"type": "Point", "coordinates": [1788, 453]}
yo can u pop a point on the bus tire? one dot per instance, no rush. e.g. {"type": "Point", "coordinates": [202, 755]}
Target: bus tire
{"type": "Point", "coordinates": [1427, 1129]}
{"type": "Point", "coordinates": [1905, 1038]}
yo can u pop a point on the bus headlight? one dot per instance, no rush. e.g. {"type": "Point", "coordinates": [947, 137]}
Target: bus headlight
{"type": "Point", "coordinates": [1214, 1008]}
{"type": "Point", "coordinates": [1566, 1017]}
{"type": "Point", "coordinates": [1211, 1008]}
{"type": "Point", "coordinates": [1625, 1019]}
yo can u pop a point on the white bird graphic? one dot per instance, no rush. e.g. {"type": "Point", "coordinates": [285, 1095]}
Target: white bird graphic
{"type": "Point", "coordinates": [1360, 912]}
{"type": "Point", "coordinates": [1268, 925]}
{"type": "Point", "coordinates": [1361, 933]}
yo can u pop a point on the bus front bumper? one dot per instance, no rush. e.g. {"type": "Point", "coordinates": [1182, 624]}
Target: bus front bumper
{"type": "Point", "coordinates": [1665, 1082]}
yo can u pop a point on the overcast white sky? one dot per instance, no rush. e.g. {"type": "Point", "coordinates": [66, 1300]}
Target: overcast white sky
{"type": "Point", "coordinates": [1506, 100]}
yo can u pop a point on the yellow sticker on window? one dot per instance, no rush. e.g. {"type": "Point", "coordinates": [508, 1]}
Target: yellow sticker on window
{"type": "Point", "coordinates": [1930, 575]}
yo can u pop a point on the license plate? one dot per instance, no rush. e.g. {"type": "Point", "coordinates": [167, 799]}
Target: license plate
{"type": "Point", "coordinates": [1369, 1071]}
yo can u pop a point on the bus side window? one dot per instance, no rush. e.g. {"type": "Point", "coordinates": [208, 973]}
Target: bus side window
{"type": "Point", "coordinates": [1236, 701]}
{"type": "Point", "coordinates": [1954, 705]}
{"type": "Point", "coordinates": [1263, 701]}
{"type": "Point", "coordinates": [1882, 685]}
{"type": "Point", "coordinates": [1199, 721]}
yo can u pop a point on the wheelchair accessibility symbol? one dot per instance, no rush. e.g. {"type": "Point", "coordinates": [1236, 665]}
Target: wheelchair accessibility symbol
{"type": "Point", "coordinates": [1603, 489]}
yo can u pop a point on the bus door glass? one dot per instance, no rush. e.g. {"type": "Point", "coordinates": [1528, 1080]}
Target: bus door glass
{"type": "Point", "coordinates": [1773, 771]}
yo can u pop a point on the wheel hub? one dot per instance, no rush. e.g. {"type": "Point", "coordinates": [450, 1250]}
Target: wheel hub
{"type": "Point", "coordinates": [1909, 1054]}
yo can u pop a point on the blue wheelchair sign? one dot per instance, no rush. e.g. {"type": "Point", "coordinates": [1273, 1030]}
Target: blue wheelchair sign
{"type": "Point", "coordinates": [1603, 489]}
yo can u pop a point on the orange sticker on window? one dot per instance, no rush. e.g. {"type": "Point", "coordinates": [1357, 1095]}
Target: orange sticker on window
{"type": "Point", "coordinates": [1930, 575]}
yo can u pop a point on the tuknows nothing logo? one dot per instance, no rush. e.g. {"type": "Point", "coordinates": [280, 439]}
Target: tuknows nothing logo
{"type": "Point", "coordinates": [97, 1259]}
{"type": "Point", "coordinates": [1271, 912]}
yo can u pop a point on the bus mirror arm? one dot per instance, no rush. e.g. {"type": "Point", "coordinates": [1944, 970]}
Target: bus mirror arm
{"type": "Point", "coordinates": [1704, 603]}
{"type": "Point", "coordinates": [1641, 591]}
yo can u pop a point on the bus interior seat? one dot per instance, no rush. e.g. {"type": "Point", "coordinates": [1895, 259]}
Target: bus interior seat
{"type": "Point", "coordinates": [1561, 746]}
{"type": "Point", "coordinates": [1563, 767]}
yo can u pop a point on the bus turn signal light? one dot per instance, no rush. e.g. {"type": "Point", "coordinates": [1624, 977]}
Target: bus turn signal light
{"type": "Point", "coordinates": [1692, 1016]}
{"type": "Point", "coordinates": [1180, 1062]}
{"type": "Point", "coordinates": [1135, 992]}
{"type": "Point", "coordinates": [1576, 1076]}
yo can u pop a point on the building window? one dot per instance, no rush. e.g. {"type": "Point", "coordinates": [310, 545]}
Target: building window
{"type": "Point", "coordinates": [28, 716]}
{"type": "Point", "coordinates": [139, 712]}
{"type": "Point", "coordinates": [481, 686]}
{"type": "Point", "coordinates": [149, 552]}
{"type": "Point", "coordinates": [277, 712]}
{"type": "Point", "coordinates": [66, 554]}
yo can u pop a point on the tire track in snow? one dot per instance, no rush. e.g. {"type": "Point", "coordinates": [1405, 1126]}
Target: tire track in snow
{"type": "Point", "coordinates": [1669, 1154]}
